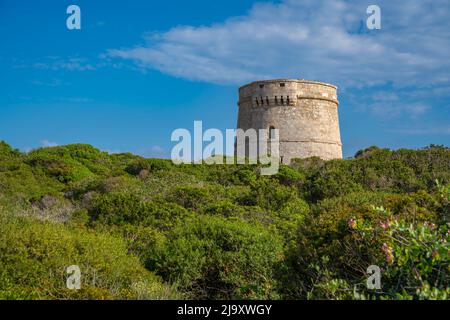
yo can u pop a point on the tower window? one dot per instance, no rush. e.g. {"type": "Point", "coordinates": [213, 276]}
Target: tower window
{"type": "Point", "coordinates": [261, 86]}
{"type": "Point", "coordinates": [262, 101]}
{"type": "Point", "coordinates": [282, 100]}
{"type": "Point", "coordinates": [276, 100]}
{"type": "Point", "coordinates": [282, 84]}
{"type": "Point", "coordinates": [267, 100]}
{"type": "Point", "coordinates": [257, 102]}
{"type": "Point", "coordinates": [288, 100]}
{"type": "Point", "coordinates": [271, 132]}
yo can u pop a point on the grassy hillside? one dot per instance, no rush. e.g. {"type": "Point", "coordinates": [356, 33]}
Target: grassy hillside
{"type": "Point", "coordinates": [145, 228]}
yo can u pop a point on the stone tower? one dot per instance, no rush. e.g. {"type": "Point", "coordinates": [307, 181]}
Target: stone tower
{"type": "Point", "coordinates": [305, 113]}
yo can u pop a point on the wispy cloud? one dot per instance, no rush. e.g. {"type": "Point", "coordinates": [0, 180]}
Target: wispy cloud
{"type": "Point", "coordinates": [388, 110]}
{"type": "Point", "coordinates": [408, 103]}
{"type": "Point", "coordinates": [47, 143]}
{"type": "Point", "coordinates": [424, 131]}
{"type": "Point", "coordinates": [50, 83]}
{"type": "Point", "coordinates": [73, 99]}
{"type": "Point", "coordinates": [115, 151]}
{"type": "Point", "coordinates": [157, 149]}
{"type": "Point", "coordinates": [69, 64]}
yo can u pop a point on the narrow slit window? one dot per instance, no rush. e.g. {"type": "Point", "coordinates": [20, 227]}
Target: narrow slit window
{"type": "Point", "coordinates": [271, 132]}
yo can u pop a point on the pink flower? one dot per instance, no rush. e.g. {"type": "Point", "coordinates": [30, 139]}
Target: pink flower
{"type": "Point", "coordinates": [430, 225]}
{"type": "Point", "coordinates": [385, 225]}
{"type": "Point", "coordinates": [390, 258]}
{"type": "Point", "coordinates": [352, 223]}
{"type": "Point", "coordinates": [388, 253]}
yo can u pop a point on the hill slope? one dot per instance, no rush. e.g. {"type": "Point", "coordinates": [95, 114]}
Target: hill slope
{"type": "Point", "coordinates": [145, 228]}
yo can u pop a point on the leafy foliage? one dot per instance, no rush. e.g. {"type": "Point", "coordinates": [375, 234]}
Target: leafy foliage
{"type": "Point", "coordinates": [146, 228]}
{"type": "Point", "coordinates": [35, 255]}
{"type": "Point", "coordinates": [211, 257]}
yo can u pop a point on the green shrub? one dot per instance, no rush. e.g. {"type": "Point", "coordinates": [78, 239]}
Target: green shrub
{"type": "Point", "coordinates": [409, 242]}
{"type": "Point", "coordinates": [224, 231]}
{"type": "Point", "coordinates": [193, 198]}
{"type": "Point", "coordinates": [414, 258]}
{"type": "Point", "coordinates": [85, 155]}
{"type": "Point", "coordinates": [64, 170]}
{"type": "Point", "coordinates": [151, 165]}
{"type": "Point", "coordinates": [215, 258]}
{"type": "Point", "coordinates": [7, 152]}
{"type": "Point", "coordinates": [335, 178]}
{"type": "Point", "coordinates": [23, 185]}
{"type": "Point", "coordinates": [124, 208]}
{"type": "Point", "coordinates": [290, 177]}
{"type": "Point", "coordinates": [35, 255]}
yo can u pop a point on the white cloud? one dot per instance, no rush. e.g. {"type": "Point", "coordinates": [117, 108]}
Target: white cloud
{"type": "Point", "coordinates": [47, 143]}
{"type": "Point", "coordinates": [51, 83]}
{"type": "Point", "coordinates": [393, 103]}
{"type": "Point", "coordinates": [322, 39]}
{"type": "Point", "coordinates": [425, 131]}
{"type": "Point", "coordinates": [157, 149]}
{"type": "Point", "coordinates": [114, 151]}
{"type": "Point", "coordinates": [390, 110]}
{"type": "Point", "coordinates": [70, 64]}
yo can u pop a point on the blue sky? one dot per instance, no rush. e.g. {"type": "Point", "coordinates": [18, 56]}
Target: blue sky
{"type": "Point", "coordinates": [137, 70]}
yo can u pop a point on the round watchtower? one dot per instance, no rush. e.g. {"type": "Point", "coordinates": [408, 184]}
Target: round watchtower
{"type": "Point", "coordinates": [305, 113]}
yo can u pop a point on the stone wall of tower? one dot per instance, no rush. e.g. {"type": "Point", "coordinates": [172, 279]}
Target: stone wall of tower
{"type": "Point", "coordinates": [304, 112]}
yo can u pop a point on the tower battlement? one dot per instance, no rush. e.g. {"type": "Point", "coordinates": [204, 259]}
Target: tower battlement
{"type": "Point", "coordinates": [305, 113]}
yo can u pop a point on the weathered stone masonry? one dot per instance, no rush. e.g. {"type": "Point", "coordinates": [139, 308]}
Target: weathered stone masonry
{"type": "Point", "coordinates": [305, 113]}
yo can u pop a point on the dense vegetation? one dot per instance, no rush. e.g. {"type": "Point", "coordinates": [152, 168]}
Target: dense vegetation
{"type": "Point", "coordinates": [145, 228]}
